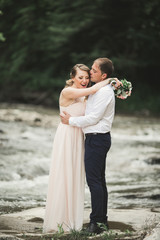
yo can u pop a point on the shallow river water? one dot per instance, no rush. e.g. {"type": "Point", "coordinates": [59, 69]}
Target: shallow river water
{"type": "Point", "coordinates": [26, 138]}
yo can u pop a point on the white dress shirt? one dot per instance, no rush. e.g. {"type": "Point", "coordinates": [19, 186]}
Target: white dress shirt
{"type": "Point", "coordinates": [99, 112]}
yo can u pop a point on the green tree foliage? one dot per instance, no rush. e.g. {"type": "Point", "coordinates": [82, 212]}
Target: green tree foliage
{"type": "Point", "coordinates": [2, 37]}
{"type": "Point", "coordinates": [1, 34]}
{"type": "Point", "coordinates": [45, 38]}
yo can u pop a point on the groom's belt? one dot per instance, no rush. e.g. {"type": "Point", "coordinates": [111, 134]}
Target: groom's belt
{"type": "Point", "coordinates": [87, 134]}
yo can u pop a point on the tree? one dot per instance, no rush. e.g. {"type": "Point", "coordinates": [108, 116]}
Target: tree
{"type": "Point", "coordinates": [44, 39]}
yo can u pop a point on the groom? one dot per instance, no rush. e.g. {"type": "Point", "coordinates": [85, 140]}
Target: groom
{"type": "Point", "coordinates": [96, 125]}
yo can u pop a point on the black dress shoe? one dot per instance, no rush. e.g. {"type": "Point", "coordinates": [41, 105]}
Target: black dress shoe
{"type": "Point", "coordinates": [93, 228]}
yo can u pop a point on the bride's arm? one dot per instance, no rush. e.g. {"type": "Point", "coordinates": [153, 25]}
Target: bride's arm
{"type": "Point", "coordinates": [79, 92]}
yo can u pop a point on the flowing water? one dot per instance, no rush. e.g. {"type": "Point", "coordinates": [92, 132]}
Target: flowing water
{"type": "Point", "coordinates": [26, 138]}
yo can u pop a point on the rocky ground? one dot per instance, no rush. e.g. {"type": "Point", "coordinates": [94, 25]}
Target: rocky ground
{"type": "Point", "coordinates": [132, 224]}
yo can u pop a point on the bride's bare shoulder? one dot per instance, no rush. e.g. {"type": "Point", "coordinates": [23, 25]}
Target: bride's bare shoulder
{"type": "Point", "coordinates": [64, 98]}
{"type": "Point", "coordinates": [66, 90]}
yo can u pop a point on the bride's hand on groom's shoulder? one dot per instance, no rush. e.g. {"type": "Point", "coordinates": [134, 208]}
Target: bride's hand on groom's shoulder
{"type": "Point", "coordinates": [65, 117]}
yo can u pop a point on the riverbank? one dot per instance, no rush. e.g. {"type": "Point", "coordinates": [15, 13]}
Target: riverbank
{"type": "Point", "coordinates": [132, 174]}
{"type": "Point", "coordinates": [124, 224]}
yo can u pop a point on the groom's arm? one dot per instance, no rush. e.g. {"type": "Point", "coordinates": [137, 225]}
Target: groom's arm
{"type": "Point", "coordinates": [103, 98]}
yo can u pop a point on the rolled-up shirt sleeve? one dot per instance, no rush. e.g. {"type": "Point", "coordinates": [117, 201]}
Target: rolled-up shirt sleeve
{"type": "Point", "coordinates": [101, 102]}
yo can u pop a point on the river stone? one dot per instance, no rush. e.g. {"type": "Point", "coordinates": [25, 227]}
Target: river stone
{"type": "Point", "coordinates": [36, 219]}
{"type": "Point", "coordinates": [155, 234]}
{"type": "Point", "coordinates": [153, 161]}
{"type": "Point", "coordinates": [9, 237]}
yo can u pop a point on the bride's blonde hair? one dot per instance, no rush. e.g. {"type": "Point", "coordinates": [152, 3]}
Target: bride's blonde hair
{"type": "Point", "coordinates": [74, 72]}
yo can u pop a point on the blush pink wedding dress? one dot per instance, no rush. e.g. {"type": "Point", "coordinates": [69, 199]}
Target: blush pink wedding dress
{"type": "Point", "coordinates": [65, 197]}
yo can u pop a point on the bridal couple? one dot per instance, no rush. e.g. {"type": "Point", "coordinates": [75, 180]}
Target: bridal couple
{"type": "Point", "coordinates": [80, 147]}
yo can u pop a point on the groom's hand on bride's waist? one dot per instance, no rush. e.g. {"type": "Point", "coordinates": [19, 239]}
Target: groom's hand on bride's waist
{"type": "Point", "coordinates": [65, 117]}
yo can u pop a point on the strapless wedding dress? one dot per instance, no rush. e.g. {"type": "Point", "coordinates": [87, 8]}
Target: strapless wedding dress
{"type": "Point", "coordinates": [65, 198]}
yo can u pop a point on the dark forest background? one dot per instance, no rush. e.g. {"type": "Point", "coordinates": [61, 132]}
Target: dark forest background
{"type": "Point", "coordinates": [42, 39]}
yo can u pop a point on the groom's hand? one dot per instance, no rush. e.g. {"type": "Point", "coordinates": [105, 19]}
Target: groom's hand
{"type": "Point", "coordinates": [65, 118]}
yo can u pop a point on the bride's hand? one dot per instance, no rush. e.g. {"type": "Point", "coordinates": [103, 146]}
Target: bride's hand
{"type": "Point", "coordinates": [118, 83]}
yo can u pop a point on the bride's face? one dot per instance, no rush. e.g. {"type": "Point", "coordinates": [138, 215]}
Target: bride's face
{"type": "Point", "coordinates": [81, 79]}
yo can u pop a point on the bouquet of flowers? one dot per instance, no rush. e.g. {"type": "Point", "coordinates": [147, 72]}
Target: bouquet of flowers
{"type": "Point", "coordinates": [124, 90]}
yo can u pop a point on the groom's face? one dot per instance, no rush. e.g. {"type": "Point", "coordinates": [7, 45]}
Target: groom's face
{"type": "Point", "coordinates": [96, 74]}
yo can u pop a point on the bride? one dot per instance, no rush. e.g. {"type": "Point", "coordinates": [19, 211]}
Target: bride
{"type": "Point", "coordinates": [65, 197]}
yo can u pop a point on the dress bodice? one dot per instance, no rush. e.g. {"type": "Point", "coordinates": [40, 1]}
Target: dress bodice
{"type": "Point", "coordinates": [75, 109]}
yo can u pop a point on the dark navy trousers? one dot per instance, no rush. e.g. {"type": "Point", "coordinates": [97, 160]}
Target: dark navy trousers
{"type": "Point", "coordinates": [96, 148]}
